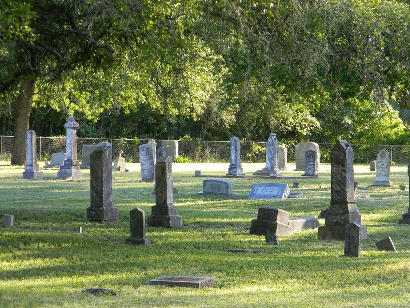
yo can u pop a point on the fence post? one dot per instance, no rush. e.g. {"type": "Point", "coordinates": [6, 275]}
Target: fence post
{"type": "Point", "coordinates": [39, 154]}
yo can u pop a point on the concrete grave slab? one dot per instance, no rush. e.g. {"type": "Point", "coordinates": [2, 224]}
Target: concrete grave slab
{"type": "Point", "coordinates": [183, 281]}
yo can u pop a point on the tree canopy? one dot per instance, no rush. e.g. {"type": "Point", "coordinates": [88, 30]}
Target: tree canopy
{"type": "Point", "coordinates": [315, 69]}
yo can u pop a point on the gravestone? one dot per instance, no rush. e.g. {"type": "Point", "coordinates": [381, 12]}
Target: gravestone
{"type": "Point", "coordinates": [271, 238]}
{"type": "Point", "coordinates": [270, 221]}
{"type": "Point", "coordinates": [269, 191]}
{"type": "Point", "coordinates": [182, 281]}
{"type": "Point", "coordinates": [119, 163]}
{"type": "Point", "coordinates": [217, 187]}
{"type": "Point", "coordinates": [272, 149]}
{"type": "Point", "coordinates": [31, 169]}
{"type": "Point", "coordinates": [56, 160]}
{"type": "Point", "coordinates": [137, 228]}
{"type": "Point", "coordinates": [343, 209]}
{"type": "Point", "coordinates": [164, 213]}
{"type": "Point", "coordinates": [70, 166]}
{"type": "Point", "coordinates": [310, 163]}
{"type": "Point", "coordinates": [300, 150]}
{"type": "Point", "coordinates": [373, 165]}
{"type": "Point", "coordinates": [235, 167]}
{"type": "Point", "coordinates": [406, 216]}
{"type": "Point", "coordinates": [101, 208]}
{"type": "Point", "coordinates": [85, 155]}
{"type": "Point", "coordinates": [282, 157]}
{"type": "Point", "coordinates": [197, 172]}
{"type": "Point", "coordinates": [382, 169]}
{"type": "Point", "coordinates": [147, 154]}
{"type": "Point", "coordinates": [352, 240]}
{"type": "Point", "coordinates": [7, 220]}
{"type": "Point", "coordinates": [298, 224]}
{"type": "Point", "coordinates": [171, 146]}
{"type": "Point", "coordinates": [162, 154]}
{"type": "Point", "coordinates": [386, 244]}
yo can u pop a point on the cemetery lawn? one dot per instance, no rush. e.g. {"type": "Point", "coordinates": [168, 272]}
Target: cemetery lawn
{"type": "Point", "coordinates": [44, 262]}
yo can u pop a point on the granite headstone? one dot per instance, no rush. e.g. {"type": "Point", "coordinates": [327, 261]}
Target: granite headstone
{"type": "Point", "coordinates": [235, 167]}
{"type": "Point", "coordinates": [382, 169]}
{"type": "Point", "coordinates": [31, 169]}
{"type": "Point", "coordinates": [147, 154]}
{"type": "Point", "coordinates": [101, 208]}
{"type": "Point", "coordinates": [269, 191]}
{"type": "Point", "coordinates": [343, 209]}
{"type": "Point", "coordinates": [137, 228]}
{"type": "Point", "coordinates": [310, 163]}
{"type": "Point", "coordinates": [300, 150]}
{"type": "Point", "coordinates": [352, 240]}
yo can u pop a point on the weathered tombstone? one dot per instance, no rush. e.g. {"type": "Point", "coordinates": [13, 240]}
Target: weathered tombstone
{"type": "Point", "coordinates": [181, 281]}
{"type": "Point", "coordinates": [119, 163]}
{"type": "Point", "coordinates": [406, 216]}
{"type": "Point", "coordinates": [343, 209]}
{"type": "Point", "coordinates": [235, 167]}
{"type": "Point", "coordinates": [386, 244]}
{"type": "Point", "coordinates": [352, 240]}
{"type": "Point", "coordinates": [70, 166]}
{"type": "Point", "coordinates": [300, 150]}
{"type": "Point", "coordinates": [216, 187]}
{"type": "Point", "coordinates": [282, 157]}
{"type": "Point", "coordinates": [8, 220]}
{"type": "Point", "coordinates": [147, 160]}
{"type": "Point", "coordinates": [269, 191]}
{"type": "Point", "coordinates": [272, 149]}
{"type": "Point", "coordinates": [382, 169]}
{"type": "Point", "coordinates": [373, 165]}
{"type": "Point", "coordinates": [171, 146]}
{"type": "Point", "coordinates": [56, 160]}
{"type": "Point", "coordinates": [85, 155]}
{"type": "Point", "coordinates": [164, 213]}
{"type": "Point", "coordinates": [271, 238]}
{"type": "Point", "coordinates": [31, 169]}
{"type": "Point", "coordinates": [303, 223]}
{"type": "Point", "coordinates": [197, 172]}
{"type": "Point", "coordinates": [101, 208]}
{"type": "Point", "coordinates": [162, 154]}
{"type": "Point", "coordinates": [310, 163]}
{"type": "Point", "coordinates": [137, 228]}
{"type": "Point", "coordinates": [271, 221]}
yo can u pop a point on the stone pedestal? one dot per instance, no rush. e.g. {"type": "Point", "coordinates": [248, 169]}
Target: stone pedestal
{"type": "Point", "coordinates": [271, 221]}
{"type": "Point", "coordinates": [71, 166]}
{"type": "Point", "coordinates": [406, 216]}
{"type": "Point", "coordinates": [137, 228]}
{"type": "Point", "coordinates": [164, 213]}
{"type": "Point", "coordinates": [382, 169]}
{"type": "Point", "coordinates": [147, 154]}
{"type": "Point", "coordinates": [343, 209]}
{"type": "Point", "coordinates": [31, 169]}
{"type": "Point", "coordinates": [101, 208]}
{"type": "Point", "coordinates": [272, 150]}
{"type": "Point", "coordinates": [235, 167]}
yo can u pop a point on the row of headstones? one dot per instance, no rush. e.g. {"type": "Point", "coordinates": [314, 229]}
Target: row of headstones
{"type": "Point", "coordinates": [342, 218]}
{"type": "Point", "coordinates": [307, 158]}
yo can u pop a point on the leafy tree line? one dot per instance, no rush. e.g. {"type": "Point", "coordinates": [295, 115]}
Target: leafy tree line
{"type": "Point", "coordinates": [307, 69]}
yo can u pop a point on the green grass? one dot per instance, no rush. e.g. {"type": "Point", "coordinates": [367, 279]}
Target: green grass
{"type": "Point", "coordinates": [45, 263]}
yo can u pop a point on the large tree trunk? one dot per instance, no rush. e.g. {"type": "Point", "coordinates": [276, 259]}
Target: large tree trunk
{"type": "Point", "coordinates": [22, 110]}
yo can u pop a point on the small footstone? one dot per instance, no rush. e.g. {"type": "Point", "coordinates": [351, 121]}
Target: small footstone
{"type": "Point", "coordinates": [238, 250]}
{"type": "Point", "coordinates": [295, 195]}
{"type": "Point", "coordinates": [271, 239]}
{"type": "Point", "coordinates": [197, 172]}
{"type": "Point", "coordinates": [352, 240]}
{"type": "Point", "coordinates": [295, 185]}
{"type": "Point", "coordinates": [386, 244]}
{"type": "Point", "coordinates": [8, 220]}
{"type": "Point", "coordinates": [99, 291]}
{"type": "Point", "coordinates": [362, 187]}
{"type": "Point", "coordinates": [402, 187]}
{"type": "Point", "coordinates": [137, 228]}
{"type": "Point", "coordinates": [182, 281]}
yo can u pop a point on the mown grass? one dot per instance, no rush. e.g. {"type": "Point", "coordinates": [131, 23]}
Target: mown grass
{"type": "Point", "coordinates": [45, 263]}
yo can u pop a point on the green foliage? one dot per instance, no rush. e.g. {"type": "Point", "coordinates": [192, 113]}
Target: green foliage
{"type": "Point", "coordinates": [182, 159]}
{"type": "Point", "coordinates": [255, 151]}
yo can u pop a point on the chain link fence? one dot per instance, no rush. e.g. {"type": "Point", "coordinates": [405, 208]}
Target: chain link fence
{"type": "Point", "coordinates": [203, 151]}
